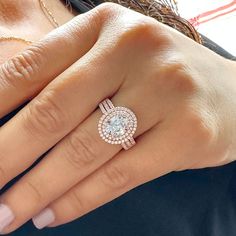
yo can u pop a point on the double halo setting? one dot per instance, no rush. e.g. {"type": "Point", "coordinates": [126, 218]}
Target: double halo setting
{"type": "Point", "coordinates": [117, 125]}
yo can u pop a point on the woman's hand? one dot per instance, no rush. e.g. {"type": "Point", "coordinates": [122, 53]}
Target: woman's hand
{"type": "Point", "coordinates": [183, 95]}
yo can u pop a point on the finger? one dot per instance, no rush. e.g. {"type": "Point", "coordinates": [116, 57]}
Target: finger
{"type": "Point", "coordinates": [63, 104]}
{"type": "Point", "coordinates": [25, 74]}
{"type": "Point", "coordinates": [57, 110]}
{"type": "Point", "coordinates": [149, 159]}
{"type": "Point", "coordinates": [80, 153]}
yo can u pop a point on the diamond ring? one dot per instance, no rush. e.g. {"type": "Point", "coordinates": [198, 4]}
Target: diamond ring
{"type": "Point", "coordinates": [117, 125]}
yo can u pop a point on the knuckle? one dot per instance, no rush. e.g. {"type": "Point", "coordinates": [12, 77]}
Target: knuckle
{"type": "Point", "coordinates": [154, 37]}
{"type": "Point", "coordinates": [22, 68]}
{"type": "Point", "coordinates": [44, 116]}
{"type": "Point", "coordinates": [90, 22]}
{"type": "Point", "coordinates": [145, 29]}
{"type": "Point", "coordinates": [176, 78]}
{"type": "Point", "coordinates": [136, 31]}
{"type": "Point", "coordinates": [81, 148]}
{"type": "Point", "coordinates": [141, 34]}
{"type": "Point", "coordinates": [104, 13]}
{"type": "Point", "coordinates": [204, 128]}
{"type": "Point", "coordinates": [115, 177]}
{"type": "Point", "coordinates": [77, 203]}
{"type": "Point", "coordinates": [33, 191]}
{"type": "Point", "coordinates": [3, 175]}
{"type": "Point", "coordinates": [140, 31]}
{"type": "Point", "coordinates": [107, 8]}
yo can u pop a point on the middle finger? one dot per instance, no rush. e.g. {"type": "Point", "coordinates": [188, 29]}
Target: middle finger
{"type": "Point", "coordinates": [51, 115]}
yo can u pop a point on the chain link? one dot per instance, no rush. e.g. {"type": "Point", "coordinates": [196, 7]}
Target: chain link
{"type": "Point", "coordinates": [46, 12]}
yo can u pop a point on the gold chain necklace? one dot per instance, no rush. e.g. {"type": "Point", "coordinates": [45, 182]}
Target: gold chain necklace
{"type": "Point", "coordinates": [46, 12]}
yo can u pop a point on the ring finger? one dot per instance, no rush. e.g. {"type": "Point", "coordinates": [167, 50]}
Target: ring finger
{"type": "Point", "coordinates": [75, 157]}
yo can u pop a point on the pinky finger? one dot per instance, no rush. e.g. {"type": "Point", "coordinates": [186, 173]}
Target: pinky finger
{"type": "Point", "coordinates": [124, 172]}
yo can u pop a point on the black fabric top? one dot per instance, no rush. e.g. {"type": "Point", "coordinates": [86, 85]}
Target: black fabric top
{"type": "Point", "coordinates": [189, 203]}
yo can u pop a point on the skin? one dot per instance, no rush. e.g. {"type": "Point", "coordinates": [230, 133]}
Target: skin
{"type": "Point", "coordinates": [183, 94]}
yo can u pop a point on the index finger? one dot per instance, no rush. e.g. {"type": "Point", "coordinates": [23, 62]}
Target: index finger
{"type": "Point", "coordinates": [25, 74]}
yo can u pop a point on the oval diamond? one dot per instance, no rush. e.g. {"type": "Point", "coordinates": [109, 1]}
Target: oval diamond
{"type": "Point", "coordinates": [118, 125]}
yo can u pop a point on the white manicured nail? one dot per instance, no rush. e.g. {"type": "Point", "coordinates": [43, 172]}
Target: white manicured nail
{"type": "Point", "coordinates": [44, 218]}
{"type": "Point", "coordinates": [6, 217]}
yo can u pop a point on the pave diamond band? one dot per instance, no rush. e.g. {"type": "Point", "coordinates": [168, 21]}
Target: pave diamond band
{"type": "Point", "coordinates": [117, 125]}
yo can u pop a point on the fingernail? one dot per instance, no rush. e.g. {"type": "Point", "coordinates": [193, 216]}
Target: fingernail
{"type": "Point", "coordinates": [44, 218]}
{"type": "Point", "coordinates": [6, 216]}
